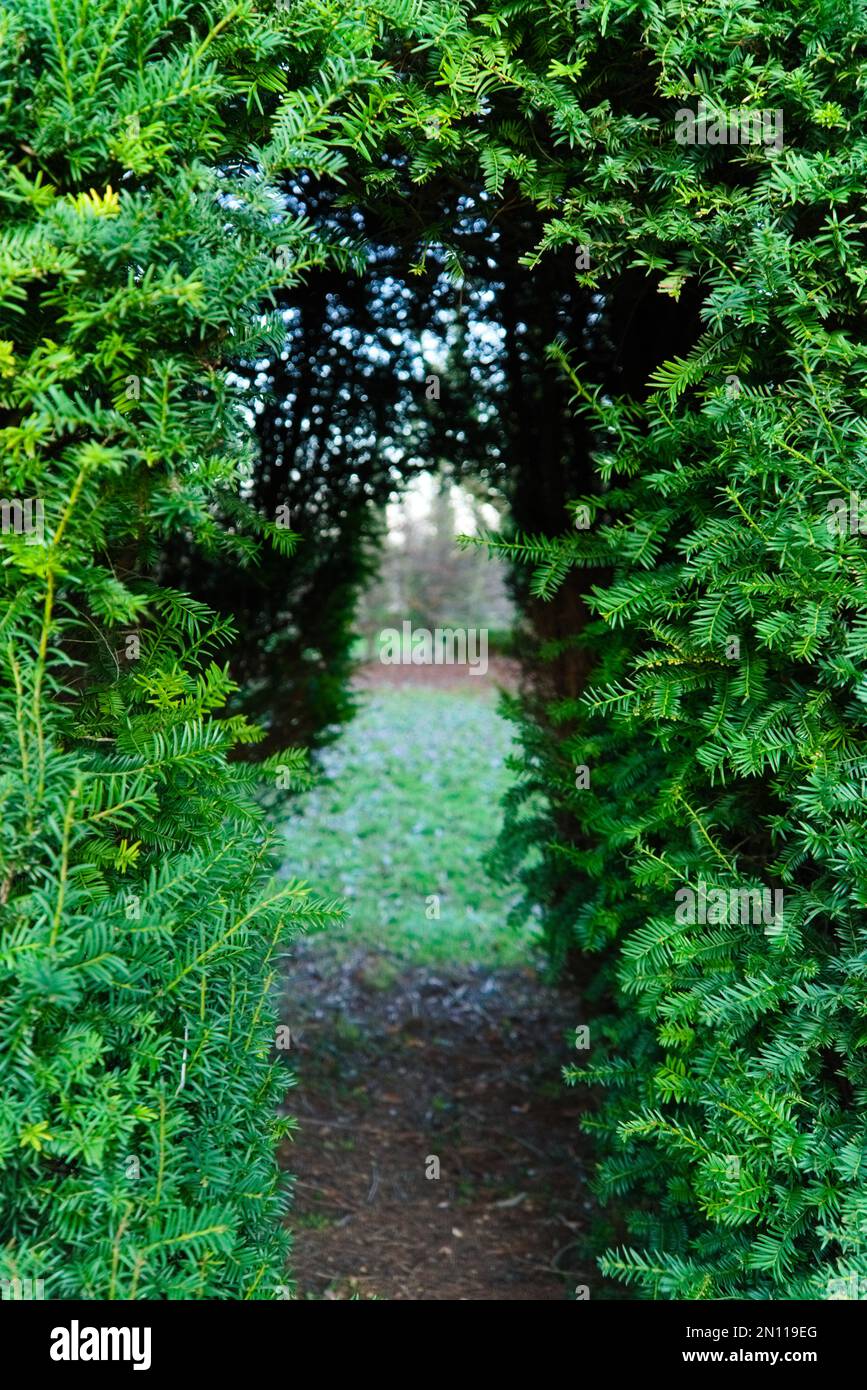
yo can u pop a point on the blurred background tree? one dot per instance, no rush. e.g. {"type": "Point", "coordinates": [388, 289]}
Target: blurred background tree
{"type": "Point", "coordinates": [425, 578]}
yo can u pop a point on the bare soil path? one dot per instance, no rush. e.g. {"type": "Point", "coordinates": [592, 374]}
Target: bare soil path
{"type": "Point", "coordinates": [406, 1071]}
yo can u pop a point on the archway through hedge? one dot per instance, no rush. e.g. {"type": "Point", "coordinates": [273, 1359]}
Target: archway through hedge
{"type": "Point", "coordinates": [349, 419]}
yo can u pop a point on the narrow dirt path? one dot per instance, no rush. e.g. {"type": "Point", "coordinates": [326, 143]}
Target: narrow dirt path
{"type": "Point", "coordinates": [406, 1071]}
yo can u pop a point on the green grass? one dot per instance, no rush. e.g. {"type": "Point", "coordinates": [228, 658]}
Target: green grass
{"type": "Point", "coordinates": [407, 804]}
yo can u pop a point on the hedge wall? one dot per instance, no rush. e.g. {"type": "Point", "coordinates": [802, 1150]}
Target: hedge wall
{"type": "Point", "coordinates": [138, 914]}
{"type": "Point", "coordinates": [715, 775]}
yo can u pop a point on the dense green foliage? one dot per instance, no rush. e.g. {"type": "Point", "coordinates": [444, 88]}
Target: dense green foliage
{"type": "Point", "coordinates": [139, 921]}
{"type": "Point", "coordinates": [724, 732]}
{"type": "Point", "coordinates": [149, 222]}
